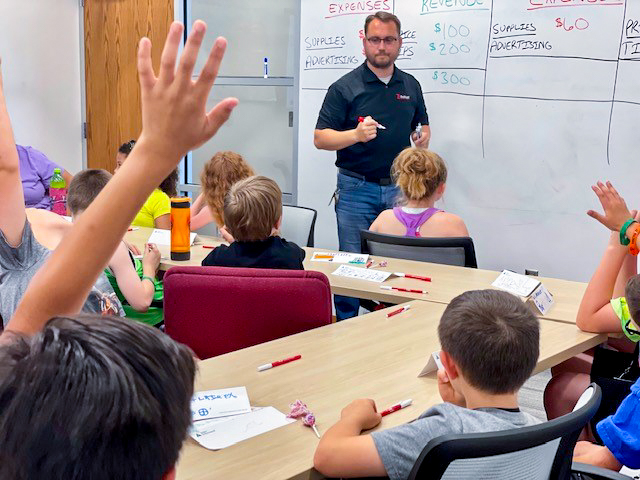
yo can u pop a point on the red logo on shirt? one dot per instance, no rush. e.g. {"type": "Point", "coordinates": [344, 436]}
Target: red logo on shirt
{"type": "Point", "coordinates": [402, 98]}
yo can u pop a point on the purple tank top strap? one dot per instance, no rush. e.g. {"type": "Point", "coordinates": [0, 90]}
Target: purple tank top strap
{"type": "Point", "coordinates": [413, 221]}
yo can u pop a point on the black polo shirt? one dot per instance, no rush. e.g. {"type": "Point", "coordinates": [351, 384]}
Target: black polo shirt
{"type": "Point", "coordinates": [399, 106]}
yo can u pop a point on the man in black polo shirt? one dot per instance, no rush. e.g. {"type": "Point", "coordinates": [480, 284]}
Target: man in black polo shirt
{"type": "Point", "coordinates": [369, 116]}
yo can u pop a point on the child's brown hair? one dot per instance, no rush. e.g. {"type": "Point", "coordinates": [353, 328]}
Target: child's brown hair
{"type": "Point", "coordinates": [252, 208]}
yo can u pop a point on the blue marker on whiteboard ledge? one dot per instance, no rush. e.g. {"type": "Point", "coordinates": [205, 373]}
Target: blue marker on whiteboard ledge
{"type": "Point", "coordinates": [418, 130]}
{"type": "Point", "coordinates": [266, 68]}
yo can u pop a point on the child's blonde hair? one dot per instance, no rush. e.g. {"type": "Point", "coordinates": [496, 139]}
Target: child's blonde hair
{"type": "Point", "coordinates": [252, 208]}
{"type": "Point", "coordinates": [218, 175]}
{"type": "Point", "coordinates": [418, 172]}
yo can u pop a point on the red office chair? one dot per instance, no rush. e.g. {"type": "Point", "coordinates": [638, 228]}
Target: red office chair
{"type": "Point", "coordinates": [215, 310]}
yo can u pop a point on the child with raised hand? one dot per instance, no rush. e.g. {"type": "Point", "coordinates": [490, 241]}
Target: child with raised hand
{"type": "Point", "coordinates": [619, 432]}
{"type": "Point", "coordinates": [21, 253]}
{"type": "Point", "coordinates": [174, 121]}
{"type": "Point", "coordinates": [478, 331]}
{"type": "Point", "coordinates": [218, 175]}
{"type": "Point", "coordinates": [604, 309]}
{"type": "Point", "coordinates": [57, 371]}
{"type": "Point", "coordinates": [253, 215]}
{"type": "Point", "coordinates": [421, 175]}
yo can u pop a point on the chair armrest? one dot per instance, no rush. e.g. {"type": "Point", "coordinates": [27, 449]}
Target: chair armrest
{"type": "Point", "coordinates": [597, 473]}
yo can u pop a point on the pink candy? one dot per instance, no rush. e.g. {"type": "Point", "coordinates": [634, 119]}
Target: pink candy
{"type": "Point", "coordinates": [298, 409]}
{"type": "Point", "coordinates": [309, 420]}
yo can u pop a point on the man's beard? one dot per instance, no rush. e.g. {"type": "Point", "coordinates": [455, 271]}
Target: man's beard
{"type": "Point", "coordinates": [382, 61]}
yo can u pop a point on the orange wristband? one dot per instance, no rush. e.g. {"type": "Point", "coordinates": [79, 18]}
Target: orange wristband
{"type": "Point", "coordinates": [633, 248]}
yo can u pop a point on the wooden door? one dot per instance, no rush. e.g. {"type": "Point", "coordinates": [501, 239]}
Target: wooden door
{"type": "Point", "coordinates": [112, 30]}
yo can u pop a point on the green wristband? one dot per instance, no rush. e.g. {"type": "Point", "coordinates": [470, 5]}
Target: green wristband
{"type": "Point", "coordinates": [623, 232]}
{"type": "Point", "coordinates": [153, 282]}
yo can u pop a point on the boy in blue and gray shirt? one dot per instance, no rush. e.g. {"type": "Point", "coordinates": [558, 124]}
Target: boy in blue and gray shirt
{"type": "Point", "coordinates": [490, 346]}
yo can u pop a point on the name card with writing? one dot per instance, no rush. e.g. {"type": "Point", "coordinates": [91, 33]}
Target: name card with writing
{"type": "Point", "coordinates": [219, 403]}
{"type": "Point", "coordinates": [362, 274]}
{"type": "Point", "coordinates": [432, 365]}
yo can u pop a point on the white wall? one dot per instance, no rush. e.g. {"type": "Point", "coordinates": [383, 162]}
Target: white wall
{"type": "Point", "coordinates": [40, 50]}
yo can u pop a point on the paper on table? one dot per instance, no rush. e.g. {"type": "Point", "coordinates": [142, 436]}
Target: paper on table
{"type": "Point", "coordinates": [242, 427]}
{"type": "Point", "coordinates": [163, 237]}
{"type": "Point", "coordinates": [340, 257]}
{"type": "Point", "coordinates": [515, 283]}
{"type": "Point", "coordinates": [361, 273]}
{"type": "Point", "coordinates": [219, 403]}
{"type": "Point", "coordinates": [202, 427]}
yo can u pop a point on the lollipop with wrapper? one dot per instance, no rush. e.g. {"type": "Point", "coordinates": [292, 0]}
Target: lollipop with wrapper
{"type": "Point", "coordinates": [300, 410]}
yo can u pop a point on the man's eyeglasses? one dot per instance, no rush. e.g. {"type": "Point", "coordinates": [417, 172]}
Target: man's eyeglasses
{"type": "Point", "coordinates": [386, 40]}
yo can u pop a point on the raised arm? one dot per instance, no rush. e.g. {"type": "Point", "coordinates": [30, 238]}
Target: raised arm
{"type": "Point", "coordinates": [174, 121]}
{"type": "Point", "coordinates": [12, 212]}
{"type": "Point", "coordinates": [596, 313]}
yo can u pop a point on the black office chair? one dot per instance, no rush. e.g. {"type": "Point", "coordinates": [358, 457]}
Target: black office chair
{"type": "Point", "coordinates": [446, 250]}
{"type": "Point", "coordinates": [541, 451]}
{"type": "Point", "coordinates": [298, 225]}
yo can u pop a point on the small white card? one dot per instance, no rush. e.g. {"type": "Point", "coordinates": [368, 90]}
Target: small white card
{"type": "Point", "coordinates": [163, 237]}
{"type": "Point", "coordinates": [340, 257]}
{"type": "Point", "coordinates": [241, 427]}
{"type": "Point", "coordinates": [219, 403]}
{"type": "Point", "coordinates": [361, 273]}
{"type": "Point", "coordinates": [432, 365]}
{"type": "Point", "coordinates": [542, 299]}
{"type": "Point", "coordinates": [515, 283]}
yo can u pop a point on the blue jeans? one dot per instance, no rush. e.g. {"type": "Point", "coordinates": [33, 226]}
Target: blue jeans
{"type": "Point", "coordinates": [358, 204]}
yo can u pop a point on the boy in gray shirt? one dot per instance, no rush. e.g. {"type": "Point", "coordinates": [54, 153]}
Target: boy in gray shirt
{"type": "Point", "coordinates": [490, 346]}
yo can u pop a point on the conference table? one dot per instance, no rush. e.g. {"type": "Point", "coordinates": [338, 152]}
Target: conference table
{"type": "Point", "coordinates": [447, 281]}
{"type": "Point", "coordinates": [370, 356]}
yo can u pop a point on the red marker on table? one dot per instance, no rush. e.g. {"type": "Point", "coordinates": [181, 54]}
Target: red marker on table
{"type": "Point", "coordinates": [400, 289]}
{"type": "Point", "coordinates": [267, 366]}
{"type": "Point", "coordinates": [395, 408]}
{"type": "Point", "coordinates": [208, 246]}
{"type": "Point", "coordinates": [411, 275]}
{"type": "Point", "coordinates": [400, 310]}
{"type": "Point", "coordinates": [381, 127]}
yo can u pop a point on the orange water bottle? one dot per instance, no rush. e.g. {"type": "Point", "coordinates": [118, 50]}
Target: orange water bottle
{"type": "Point", "coordinates": [180, 228]}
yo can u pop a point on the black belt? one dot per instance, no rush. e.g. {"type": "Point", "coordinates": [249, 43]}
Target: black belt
{"type": "Point", "coordinates": [380, 181]}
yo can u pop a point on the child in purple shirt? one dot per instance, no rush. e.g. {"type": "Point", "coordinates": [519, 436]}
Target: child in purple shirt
{"type": "Point", "coordinates": [421, 175]}
{"type": "Point", "coordinates": [36, 171]}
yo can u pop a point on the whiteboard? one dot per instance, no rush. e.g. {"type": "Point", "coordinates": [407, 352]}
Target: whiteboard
{"type": "Point", "coordinates": [40, 47]}
{"type": "Point", "coordinates": [530, 102]}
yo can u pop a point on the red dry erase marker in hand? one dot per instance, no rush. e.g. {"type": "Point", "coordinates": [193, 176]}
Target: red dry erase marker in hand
{"type": "Point", "coordinates": [267, 366]}
{"type": "Point", "coordinates": [382, 127]}
{"type": "Point", "coordinates": [395, 408]}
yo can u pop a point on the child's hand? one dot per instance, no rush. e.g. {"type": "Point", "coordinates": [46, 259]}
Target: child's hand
{"type": "Point", "coordinates": [174, 119]}
{"type": "Point", "coordinates": [447, 392]}
{"type": "Point", "coordinates": [598, 455]}
{"type": "Point", "coordinates": [226, 235]}
{"type": "Point", "coordinates": [132, 248]}
{"type": "Point", "coordinates": [151, 256]}
{"type": "Point", "coordinates": [615, 208]}
{"type": "Point", "coordinates": [363, 412]}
